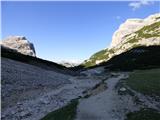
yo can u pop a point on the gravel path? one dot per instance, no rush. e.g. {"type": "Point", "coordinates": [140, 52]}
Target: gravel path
{"type": "Point", "coordinates": [102, 105]}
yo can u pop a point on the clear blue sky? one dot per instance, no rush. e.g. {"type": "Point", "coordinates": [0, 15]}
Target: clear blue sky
{"type": "Point", "coordinates": [69, 30]}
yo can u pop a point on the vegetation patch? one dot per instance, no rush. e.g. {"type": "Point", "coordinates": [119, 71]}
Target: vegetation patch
{"type": "Point", "coordinates": [101, 55]}
{"type": "Point", "coordinates": [144, 114]}
{"type": "Point", "coordinates": [141, 57]}
{"type": "Point", "coordinates": [145, 81]}
{"type": "Point", "coordinates": [145, 32]}
{"type": "Point", "coordinates": [65, 113]}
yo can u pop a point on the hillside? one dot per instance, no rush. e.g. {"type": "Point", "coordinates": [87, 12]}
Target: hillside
{"type": "Point", "coordinates": [44, 64]}
{"type": "Point", "coordinates": [137, 58]}
{"type": "Point", "coordinates": [124, 39]}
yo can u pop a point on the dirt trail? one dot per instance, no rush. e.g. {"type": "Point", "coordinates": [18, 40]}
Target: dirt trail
{"type": "Point", "coordinates": [100, 106]}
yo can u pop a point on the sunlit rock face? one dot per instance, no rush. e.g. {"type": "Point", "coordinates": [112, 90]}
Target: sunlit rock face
{"type": "Point", "coordinates": [132, 33]}
{"type": "Point", "coordinates": [131, 26]}
{"type": "Point", "coordinates": [20, 44]}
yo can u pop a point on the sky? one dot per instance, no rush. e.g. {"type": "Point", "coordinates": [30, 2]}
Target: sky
{"type": "Point", "coordinates": [70, 30]}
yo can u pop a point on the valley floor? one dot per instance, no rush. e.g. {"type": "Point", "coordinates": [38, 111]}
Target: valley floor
{"type": "Point", "coordinates": [104, 105]}
{"type": "Point", "coordinates": [117, 102]}
{"type": "Point", "coordinates": [100, 95]}
{"type": "Point", "coordinates": [22, 101]}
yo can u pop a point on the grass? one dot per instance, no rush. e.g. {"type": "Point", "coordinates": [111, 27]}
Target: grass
{"type": "Point", "coordinates": [145, 81]}
{"type": "Point", "coordinates": [149, 28]}
{"type": "Point", "coordinates": [144, 114]}
{"type": "Point", "coordinates": [101, 55]}
{"type": "Point", "coordinates": [131, 60]}
{"type": "Point", "coordinates": [144, 33]}
{"type": "Point", "coordinates": [65, 113]}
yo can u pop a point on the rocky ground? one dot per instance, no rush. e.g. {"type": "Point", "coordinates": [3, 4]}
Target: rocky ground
{"type": "Point", "coordinates": [29, 92]}
{"type": "Point", "coordinates": [105, 105]}
{"type": "Point", "coordinates": [115, 102]}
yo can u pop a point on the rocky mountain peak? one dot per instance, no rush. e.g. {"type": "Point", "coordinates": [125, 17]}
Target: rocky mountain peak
{"type": "Point", "coordinates": [132, 33]}
{"type": "Point", "coordinates": [20, 44]}
{"type": "Point", "coordinates": [130, 26]}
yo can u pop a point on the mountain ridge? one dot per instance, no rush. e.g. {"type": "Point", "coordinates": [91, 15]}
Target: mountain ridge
{"type": "Point", "coordinates": [146, 35]}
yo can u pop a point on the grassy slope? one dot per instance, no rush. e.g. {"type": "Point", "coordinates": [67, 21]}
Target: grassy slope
{"type": "Point", "coordinates": [131, 60]}
{"type": "Point", "coordinates": [145, 81]}
{"type": "Point", "coordinates": [101, 55]}
{"type": "Point", "coordinates": [65, 113]}
{"type": "Point", "coordinates": [97, 56]}
{"type": "Point", "coordinates": [144, 114]}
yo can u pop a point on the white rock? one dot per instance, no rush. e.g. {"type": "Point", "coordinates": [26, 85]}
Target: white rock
{"type": "Point", "coordinates": [24, 114]}
{"type": "Point", "coordinates": [20, 44]}
{"type": "Point", "coordinates": [44, 101]}
{"type": "Point", "coordinates": [122, 89]}
{"type": "Point", "coordinates": [69, 63]}
{"type": "Point", "coordinates": [18, 103]}
{"type": "Point", "coordinates": [130, 26]}
{"type": "Point", "coordinates": [99, 61]}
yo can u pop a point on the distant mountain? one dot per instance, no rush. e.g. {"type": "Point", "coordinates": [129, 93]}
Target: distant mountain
{"type": "Point", "coordinates": [131, 34]}
{"type": "Point", "coordinates": [69, 63]}
{"type": "Point", "coordinates": [19, 44]}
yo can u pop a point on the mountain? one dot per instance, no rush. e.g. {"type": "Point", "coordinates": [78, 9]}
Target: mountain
{"type": "Point", "coordinates": [130, 26]}
{"type": "Point", "coordinates": [70, 63]}
{"type": "Point", "coordinates": [35, 61]}
{"type": "Point", "coordinates": [19, 44]}
{"type": "Point", "coordinates": [131, 34]}
{"type": "Point", "coordinates": [141, 57]}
